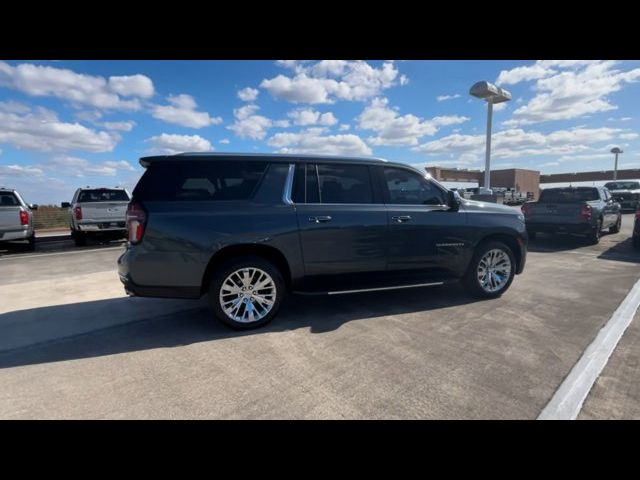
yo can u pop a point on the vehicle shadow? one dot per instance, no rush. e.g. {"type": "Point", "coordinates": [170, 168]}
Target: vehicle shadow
{"type": "Point", "coordinates": [557, 243]}
{"type": "Point", "coordinates": [622, 252]}
{"type": "Point", "coordinates": [319, 314]}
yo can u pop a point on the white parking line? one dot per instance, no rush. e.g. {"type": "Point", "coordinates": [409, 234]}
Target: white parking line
{"type": "Point", "coordinates": [567, 402]}
{"type": "Point", "coordinates": [38, 255]}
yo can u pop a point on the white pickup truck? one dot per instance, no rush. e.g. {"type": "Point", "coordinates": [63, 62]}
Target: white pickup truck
{"type": "Point", "coordinates": [16, 218]}
{"type": "Point", "coordinates": [98, 212]}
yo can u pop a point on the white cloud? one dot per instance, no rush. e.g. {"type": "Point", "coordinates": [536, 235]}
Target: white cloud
{"type": "Point", "coordinates": [225, 141]}
{"type": "Point", "coordinates": [540, 69]}
{"type": "Point", "coordinates": [312, 141]}
{"type": "Point", "coordinates": [41, 130]}
{"type": "Point", "coordinates": [167, 144]}
{"type": "Point", "coordinates": [308, 116]}
{"type": "Point", "coordinates": [248, 94]}
{"type": "Point", "coordinates": [567, 94]}
{"type": "Point", "coordinates": [77, 88]}
{"type": "Point", "coordinates": [20, 171]}
{"type": "Point", "coordinates": [80, 167]}
{"type": "Point", "coordinates": [132, 85]}
{"type": "Point", "coordinates": [125, 126]}
{"type": "Point", "coordinates": [182, 111]}
{"type": "Point", "coordinates": [517, 143]}
{"type": "Point", "coordinates": [330, 80]}
{"type": "Point", "coordinates": [442, 98]}
{"type": "Point", "coordinates": [628, 136]}
{"type": "Point", "coordinates": [248, 124]}
{"type": "Point", "coordinates": [394, 129]}
{"type": "Point", "coordinates": [344, 127]}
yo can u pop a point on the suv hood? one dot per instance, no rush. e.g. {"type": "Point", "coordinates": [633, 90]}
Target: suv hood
{"type": "Point", "coordinates": [475, 205]}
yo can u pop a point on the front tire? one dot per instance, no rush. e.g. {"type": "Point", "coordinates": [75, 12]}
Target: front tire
{"type": "Point", "coordinates": [491, 271]}
{"type": "Point", "coordinates": [246, 292]}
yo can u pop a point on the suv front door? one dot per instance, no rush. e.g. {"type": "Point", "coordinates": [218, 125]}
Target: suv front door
{"type": "Point", "coordinates": [424, 232]}
{"type": "Point", "coordinates": [342, 223]}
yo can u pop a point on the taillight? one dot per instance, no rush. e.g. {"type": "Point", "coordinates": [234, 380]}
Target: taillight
{"type": "Point", "coordinates": [24, 218]}
{"type": "Point", "coordinates": [525, 209]}
{"type": "Point", "coordinates": [77, 212]}
{"type": "Point", "coordinates": [638, 214]}
{"type": "Point", "coordinates": [586, 211]}
{"type": "Point", "coordinates": [136, 222]}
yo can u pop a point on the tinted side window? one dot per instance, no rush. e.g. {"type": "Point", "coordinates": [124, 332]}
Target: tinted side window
{"type": "Point", "coordinates": [185, 180]}
{"type": "Point", "coordinates": [408, 188]}
{"type": "Point", "coordinates": [345, 184]}
{"type": "Point", "coordinates": [103, 195]}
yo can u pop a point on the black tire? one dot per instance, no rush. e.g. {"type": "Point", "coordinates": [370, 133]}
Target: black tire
{"type": "Point", "coordinates": [79, 238]}
{"type": "Point", "coordinates": [594, 236]}
{"type": "Point", "coordinates": [471, 280]}
{"type": "Point", "coordinates": [226, 270]}
{"type": "Point", "coordinates": [616, 228]}
{"type": "Point", "coordinates": [31, 243]}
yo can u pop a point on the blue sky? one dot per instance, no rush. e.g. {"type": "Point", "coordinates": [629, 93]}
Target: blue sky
{"type": "Point", "coordinates": [65, 124]}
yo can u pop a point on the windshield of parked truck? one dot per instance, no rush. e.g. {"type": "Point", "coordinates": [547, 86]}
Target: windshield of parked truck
{"type": "Point", "coordinates": [622, 185]}
{"type": "Point", "coordinates": [568, 195]}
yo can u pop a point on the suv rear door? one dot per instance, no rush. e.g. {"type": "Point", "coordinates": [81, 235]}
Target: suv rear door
{"type": "Point", "coordinates": [342, 219]}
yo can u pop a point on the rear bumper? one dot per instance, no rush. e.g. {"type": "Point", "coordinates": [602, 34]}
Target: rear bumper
{"type": "Point", "coordinates": [576, 228]}
{"type": "Point", "coordinates": [18, 234]}
{"type": "Point", "coordinates": [134, 290]}
{"type": "Point", "coordinates": [88, 227]}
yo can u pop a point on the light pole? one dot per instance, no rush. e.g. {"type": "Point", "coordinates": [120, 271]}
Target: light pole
{"type": "Point", "coordinates": [616, 151]}
{"type": "Point", "coordinates": [492, 94]}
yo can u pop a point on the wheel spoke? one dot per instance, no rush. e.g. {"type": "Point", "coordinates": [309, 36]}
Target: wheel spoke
{"type": "Point", "coordinates": [247, 295]}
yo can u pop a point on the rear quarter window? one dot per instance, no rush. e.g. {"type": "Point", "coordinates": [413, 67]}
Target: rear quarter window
{"type": "Point", "coordinates": [8, 199]}
{"type": "Point", "coordinates": [185, 180]}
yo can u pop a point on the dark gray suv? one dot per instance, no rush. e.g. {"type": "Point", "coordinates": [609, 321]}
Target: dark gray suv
{"type": "Point", "coordinates": [245, 229]}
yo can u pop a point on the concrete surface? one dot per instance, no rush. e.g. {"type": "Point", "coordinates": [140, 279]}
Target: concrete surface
{"type": "Point", "coordinates": [616, 393]}
{"type": "Point", "coordinates": [423, 353]}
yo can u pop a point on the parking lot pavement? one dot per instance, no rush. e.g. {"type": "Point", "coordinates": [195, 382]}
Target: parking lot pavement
{"type": "Point", "coordinates": [422, 353]}
{"type": "Point", "coordinates": [616, 393]}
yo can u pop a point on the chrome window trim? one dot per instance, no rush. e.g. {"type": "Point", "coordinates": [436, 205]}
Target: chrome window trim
{"type": "Point", "coordinates": [288, 185]}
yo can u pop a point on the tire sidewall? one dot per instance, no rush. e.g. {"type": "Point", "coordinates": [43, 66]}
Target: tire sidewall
{"type": "Point", "coordinates": [471, 278]}
{"type": "Point", "coordinates": [229, 267]}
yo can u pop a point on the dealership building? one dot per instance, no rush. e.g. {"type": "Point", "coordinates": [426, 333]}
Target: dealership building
{"type": "Point", "coordinates": [523, 180]}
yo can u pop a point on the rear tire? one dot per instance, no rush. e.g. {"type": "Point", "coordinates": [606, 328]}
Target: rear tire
{"type": "Point", "coordinates": [31, 243]}
{"type": "Point", "coordinates": [488, 275]}
{"type": "Point", "coordinates": [594, 236]}
{"type": "Point", "coordinates": [79, 238]}
{"type": "Point", "coordinates": [616, 228]}
{"type": "Point", "coordinates": [236, 305]}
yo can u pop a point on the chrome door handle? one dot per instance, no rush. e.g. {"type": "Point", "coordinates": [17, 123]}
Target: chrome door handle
{"type": "Point", "coordinates": [320, 219]}
{"type": "Point", "coordinates": [401, 218]}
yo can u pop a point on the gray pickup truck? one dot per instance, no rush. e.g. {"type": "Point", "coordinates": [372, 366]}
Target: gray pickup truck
{"type": "Point", "coordinates": [16, 218]}
{"type": "Point", "coordinates": [98, 212]}
{"type": "Point", "coordinates": [626, 193]}
{"type": "Point", "coordinates": [578, 210]}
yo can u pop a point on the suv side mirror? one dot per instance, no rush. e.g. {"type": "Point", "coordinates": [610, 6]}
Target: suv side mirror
{"type": "Point", "coordinates": [33, 206]}
{"type": "Point", "coordinates": [65, 204]}
{"type": "Point", "coordinates": [453, 200]}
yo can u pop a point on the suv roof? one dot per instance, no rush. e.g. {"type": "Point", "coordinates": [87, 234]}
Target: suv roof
{"type": "Point", "coordinates": [146, 161]}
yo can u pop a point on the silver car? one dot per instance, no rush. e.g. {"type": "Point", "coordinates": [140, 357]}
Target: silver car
{"type": "Point", "coordinates": [16, 218]}
{"type": "Point", "coordinates": [98, 212]}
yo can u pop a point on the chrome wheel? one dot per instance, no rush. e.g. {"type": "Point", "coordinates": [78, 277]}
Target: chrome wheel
{"type": "Point", "coordinates": [247, 295]}
{"type": "Point", "coordinates": [494, 270]}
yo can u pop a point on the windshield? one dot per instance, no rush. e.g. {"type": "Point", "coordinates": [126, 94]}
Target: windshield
{"type": "Point", "coordinates": [569, 195]}
{"type": "Point", "coordinates": [103, 195]}
{"type": "Point", "coordinates": [622, 185]}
